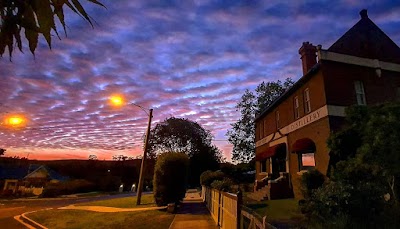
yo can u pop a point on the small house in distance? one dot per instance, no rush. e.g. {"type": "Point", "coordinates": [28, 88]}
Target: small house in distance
{"type": "Point", "coordinates": [28, 181]}
{"type": "Point", "coordinates": [361, 68]}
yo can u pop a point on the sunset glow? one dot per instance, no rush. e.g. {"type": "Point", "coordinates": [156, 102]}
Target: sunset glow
{"type": "Point", "coordinates": [184, 59]}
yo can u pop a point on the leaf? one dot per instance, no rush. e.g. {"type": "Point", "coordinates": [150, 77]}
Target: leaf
{"type": "Point", "coordinates": [59, 11]}
{"type": "Point", "coordinates": [97, 2]}
{"type": "Point", "coordinates": [45, 18]}
{"type": "Point", "coordinates": [31, 29]}
{"type": "Point", "coordinates": [81, 10]}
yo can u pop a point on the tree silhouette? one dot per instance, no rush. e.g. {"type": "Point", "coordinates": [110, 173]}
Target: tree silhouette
{"type": "Point", "coordinates": [34, 17]}
{"type": "Point", "coordinates": [2, 152]}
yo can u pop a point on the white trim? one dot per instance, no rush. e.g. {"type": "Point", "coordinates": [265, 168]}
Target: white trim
{"type": "Point", "coordinates": [366, 62]}
{"type": "Point", "coordinates": [336, 110]}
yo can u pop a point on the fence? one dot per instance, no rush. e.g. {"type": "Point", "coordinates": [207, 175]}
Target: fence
{"type": "Point", "coordinates": [228, 213]}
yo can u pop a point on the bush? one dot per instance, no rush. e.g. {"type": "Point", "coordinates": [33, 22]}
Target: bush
{"type": "Point", "coordinates": [208, 177]}
{"type": "Point", "coordinates": [311, 181]}
{"type": "Point", "coordinates": [222, 185]}
{"type": "Point", "coordinates": [67, 187]}
{"type": "Point", "coordinates": [170, 178]}
{"type": "Point", "coordinates": [354, 194]}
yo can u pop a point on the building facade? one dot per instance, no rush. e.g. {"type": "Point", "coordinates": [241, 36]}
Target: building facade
{"type": "Point", "coordinates": [360, 68]}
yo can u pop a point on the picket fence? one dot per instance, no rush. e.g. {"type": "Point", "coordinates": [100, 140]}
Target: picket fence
{"type": "Point", "coordinates": [228, 212]}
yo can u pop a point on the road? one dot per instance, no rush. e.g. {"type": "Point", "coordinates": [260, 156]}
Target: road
{"type": "Point", "coordinates": [11, 208]}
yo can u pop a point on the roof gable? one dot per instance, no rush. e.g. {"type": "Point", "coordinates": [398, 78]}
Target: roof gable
{"type": "Point", "coordinates": [365, 39]}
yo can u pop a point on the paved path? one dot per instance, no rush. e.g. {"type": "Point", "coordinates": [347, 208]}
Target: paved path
{"type": "Point", "coordinates": [193, 214]}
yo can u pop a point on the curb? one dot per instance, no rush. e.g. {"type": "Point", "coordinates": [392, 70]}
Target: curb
{"type": "Point", "coordinates": [28, 222]}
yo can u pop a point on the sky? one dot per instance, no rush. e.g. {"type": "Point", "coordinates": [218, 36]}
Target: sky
{"type": "Point", "coordinates": [189, 59]}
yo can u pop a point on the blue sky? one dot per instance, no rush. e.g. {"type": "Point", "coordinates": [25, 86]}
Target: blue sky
{"type": "Point", "coordinates": [191, 59]}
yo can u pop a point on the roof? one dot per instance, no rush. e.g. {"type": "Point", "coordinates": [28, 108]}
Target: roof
{"type": "Point", "coordinates": [290, 91]}
{"type": "Point", "coordinates": [367, 40]}
{"type": "Point", "coordinates": [53, 175]}
{"type": "Point", "coordinates": [364, 39]}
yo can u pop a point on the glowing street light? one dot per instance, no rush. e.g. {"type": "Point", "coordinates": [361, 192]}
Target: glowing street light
{"type": "Point", "coordinates": [15, 121]}
{"type": "Point", "coordinates": [118, 100]}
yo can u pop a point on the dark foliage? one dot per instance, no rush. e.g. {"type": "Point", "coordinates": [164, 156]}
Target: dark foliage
{"type": "Point", "coordinates": [170, 178]}
{"type": "Point", "coordinates": [311, 181]}
{"type": "Point", "coordinates": [242, 134]}
{"type": "Point", "coordinates": [67, 187]}
{"type": "Point", "coordinates": [208, 177]}
{"type": "Point", "coordinates": [34, 17]}
{"type": "Point", "coordinates": [188, 137]}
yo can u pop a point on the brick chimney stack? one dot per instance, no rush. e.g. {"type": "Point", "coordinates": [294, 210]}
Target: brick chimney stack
{"type": "Point", "coordinates": [308, 56]}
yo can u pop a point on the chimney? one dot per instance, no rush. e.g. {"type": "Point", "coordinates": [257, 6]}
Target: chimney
{"type": "Point", "coordinates": [308, 56]}
{"type": "Point", "coordinates": [364, 14]}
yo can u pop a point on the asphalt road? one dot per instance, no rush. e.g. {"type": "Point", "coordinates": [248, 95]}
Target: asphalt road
{"type": "Point", "coordinates": [11, 208]}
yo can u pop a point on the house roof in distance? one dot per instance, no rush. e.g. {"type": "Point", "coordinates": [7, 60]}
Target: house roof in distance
{"type": "Point", "coordinates": [367, 40]}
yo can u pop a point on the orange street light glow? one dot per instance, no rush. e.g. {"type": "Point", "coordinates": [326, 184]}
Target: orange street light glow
{"type": "Point", "coordinates": [15, 121]}
{"type": "Point", "coordinates": [117, 100]}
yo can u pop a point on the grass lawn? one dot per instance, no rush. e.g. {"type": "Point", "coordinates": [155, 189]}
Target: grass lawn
{"type": "Point", "coordinates": [277, 211]}
{"type": "Point", "coordinates": [86, 219]}
{"type": "Point", "coordinates": [126, 202]}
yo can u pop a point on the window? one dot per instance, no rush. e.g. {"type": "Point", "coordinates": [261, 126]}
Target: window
{"type": "Point", "coordinates": [263, 166]}
{"type": "Point", "coordinates": [277, 119]}
{"type": "Point", "coordinates": [360, 95]}
{"type": "Point", "coordinates": [307, 103]}
{"type": "Point", "coordinates": [306, 161]}
{"type": "Point", "coordinates": [296, 108]}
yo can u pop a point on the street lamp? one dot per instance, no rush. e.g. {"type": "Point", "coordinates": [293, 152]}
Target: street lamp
{"type": "Point", "coordinates": [119, 101]}
{"type": "Point", "coordinates": [14, 121]}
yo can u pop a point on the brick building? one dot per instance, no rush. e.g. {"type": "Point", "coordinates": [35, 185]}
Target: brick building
{"type": "Point", "coordinates": [362, 67]}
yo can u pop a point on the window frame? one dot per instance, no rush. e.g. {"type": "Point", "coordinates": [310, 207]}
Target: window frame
{"type": "Point", "coordinates": [360, 93]}
{"type": "Point", "coordinates": [307, 101]}
{"type": "Point", "coordinates": [296, 106]}
{"type": "Point", "coordinates": [263, 165]}
{"type": "Point", "coordinates": [300, 160]}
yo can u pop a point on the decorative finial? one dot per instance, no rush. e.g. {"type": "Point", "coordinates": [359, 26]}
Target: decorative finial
{"type": "Point", "coordinates": [364, 14]}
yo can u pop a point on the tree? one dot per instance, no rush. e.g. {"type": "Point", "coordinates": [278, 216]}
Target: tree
{"type": "Point", "coordinates": [185, 136]}
{"type": "Point", "coordinates": [365, 177]}
{"type": "Point", "coordinates": [119, 158]}
{"type": "Point", "coordinates": [242, 134]}
{"type": "Point", "coordinates": [93, 157]}
{"type": "Point", "coordinates": [170, 177]}
{"type": "Point", "coordinates": [34, 17]}
{"type": "Point", "coordinates": [2, 152]}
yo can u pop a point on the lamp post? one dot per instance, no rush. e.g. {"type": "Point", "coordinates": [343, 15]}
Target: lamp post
{"type": "Point", "coordinates": [119, 101]}
{"type": "Point", "coordinates": [146, 144]}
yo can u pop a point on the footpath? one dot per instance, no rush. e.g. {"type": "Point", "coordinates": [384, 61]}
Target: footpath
{"type": "Point", "coordinates": [193, 213]}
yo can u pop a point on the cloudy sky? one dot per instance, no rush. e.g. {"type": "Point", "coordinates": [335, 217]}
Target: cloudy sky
{"type": "Point", "coordinates": [191, 59]}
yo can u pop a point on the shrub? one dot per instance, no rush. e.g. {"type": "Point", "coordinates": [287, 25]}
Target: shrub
{"type": "Point", "coordinates": [222, 185]}
{"type": "Point", "coordinates": [170, 178]}
{"type": "Point", "coordinates": [311, 181]}
{"type": "Point", "coordinates": [208, 177]}
{"type": "Point", "coordinates": [67, 187]}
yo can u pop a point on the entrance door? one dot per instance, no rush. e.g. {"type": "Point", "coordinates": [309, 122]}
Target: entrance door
{"type": "Point", "coordinates": [278, 163]}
